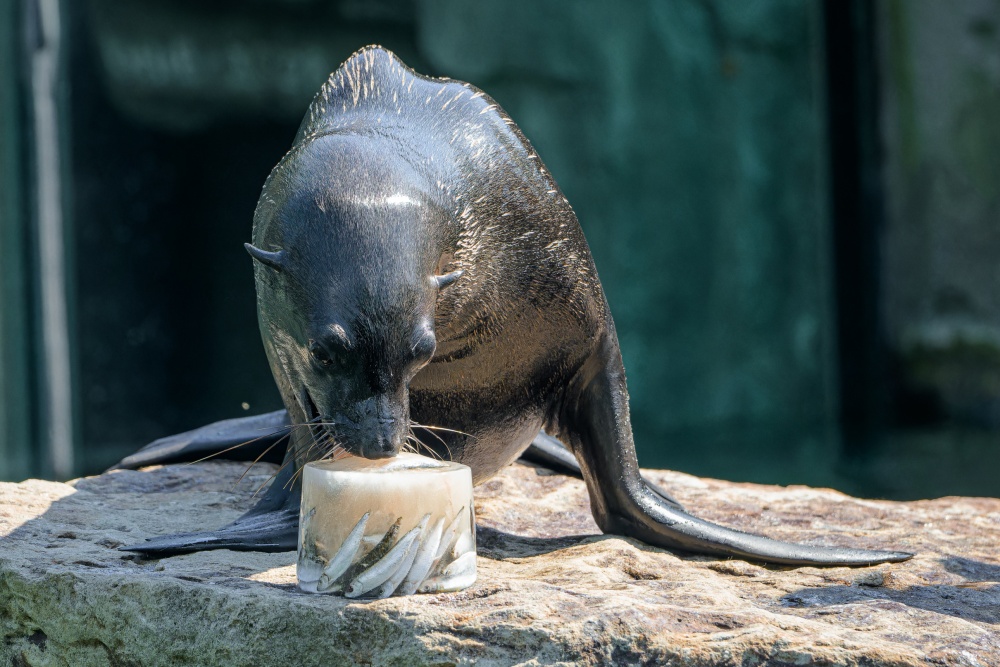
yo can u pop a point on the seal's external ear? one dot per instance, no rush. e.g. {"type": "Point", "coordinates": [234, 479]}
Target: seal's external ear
{"type": "Point", "coordinates": [273, 259]}
{"type": "Point", "coordinates": [448, 278]}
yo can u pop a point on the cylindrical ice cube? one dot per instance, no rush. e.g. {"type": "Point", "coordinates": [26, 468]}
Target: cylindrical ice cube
{"type": "Point", "coordinates": [375, 528]}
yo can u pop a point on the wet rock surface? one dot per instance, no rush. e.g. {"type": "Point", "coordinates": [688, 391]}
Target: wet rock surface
{"type": "Point", "coordinates": [551, 589]}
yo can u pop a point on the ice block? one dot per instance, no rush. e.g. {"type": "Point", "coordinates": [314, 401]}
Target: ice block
{"type": "Point", "coordinates": [375, 528]}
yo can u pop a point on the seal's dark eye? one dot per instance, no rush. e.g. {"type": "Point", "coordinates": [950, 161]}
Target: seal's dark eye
{"type": "Point", "coordinates": [319, 354]}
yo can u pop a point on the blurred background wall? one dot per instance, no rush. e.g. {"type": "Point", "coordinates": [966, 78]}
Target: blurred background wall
{"type": "Point", "coordinates": [793, 207]}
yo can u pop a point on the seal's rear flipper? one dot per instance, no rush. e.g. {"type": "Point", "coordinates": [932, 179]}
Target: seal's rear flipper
{"type": "Point", "coordinates": [597, 422]}
{"type": "Point", "coordinates": [547, 452]}
{"type": "Point", "coordinates": [272, 525]}
{"type": "Point", "coordinates": [244, 439]}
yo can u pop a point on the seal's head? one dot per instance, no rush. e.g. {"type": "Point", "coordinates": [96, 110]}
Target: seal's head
{"type": "Point", "coordinates": [359, 227]}
{"type": "Point", "coordinates": [348, 242]}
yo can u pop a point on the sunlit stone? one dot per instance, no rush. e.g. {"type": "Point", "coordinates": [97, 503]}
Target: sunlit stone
{"type": "Point", "coordinates": [386, 527]}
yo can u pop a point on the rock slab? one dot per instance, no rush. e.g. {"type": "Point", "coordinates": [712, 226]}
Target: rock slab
{"type": "Point", "coordinates": [551, 589]}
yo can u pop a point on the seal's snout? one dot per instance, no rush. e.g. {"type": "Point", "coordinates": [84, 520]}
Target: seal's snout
{"type": "Point", "coordinates": [382, 428]}
{"type": "Point", "coordinates": [383, 450]}
{"type": "Point", "coordinates": [383, 439]}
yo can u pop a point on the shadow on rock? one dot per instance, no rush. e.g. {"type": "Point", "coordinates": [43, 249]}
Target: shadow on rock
{"type": "Point", "coordinates": [500, 545]}
{"type": "Point", "coordinates": [976, 599]}
{"type": "Point", "coordinates": [972, 570]}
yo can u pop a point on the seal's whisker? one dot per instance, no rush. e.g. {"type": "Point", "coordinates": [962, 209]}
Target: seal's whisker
{"type": "Point", "coordinates": [433, 453]}
{"type": "Point", "coordinates": [244, 444]}
{"type": "Point", "coordinates": [291, 480]}
{"type": "Point", "coordinates": [439, 438]}
{"type": "Point", "coordinates": [430, 450]}
{"type": "Point", "coordinates": [287, 461]}
{"type": "Point", "coordinates": [307, 455]}
{"type": "Point", "coordinates": [275, 474]}
{"type": "Point", "coordinates": [257, 460]}
{"type": "Point", "coordinates": [326, 442]}
{"type": "Point", "coordinates": [294, 477]}
{"type": "Point", "coordinates": [337, 452]}
{"type": "Point", "coordinates": [414, 445]}
{"type": "Point", "coordinates": [324, 447]}
{"type": "Point", "coordinates": [306, 423]}
{"type": "Point", "coordinates": [442, 428]}
{"type": "Point", "coordinates": [421, 426]}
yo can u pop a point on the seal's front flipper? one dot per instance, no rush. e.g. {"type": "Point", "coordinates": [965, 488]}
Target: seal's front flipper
{"type": "Point", "coordinates": [595, 420]}
{"type": "Point", "coordinates": [272, 531]}
{"type": "Point", "coordinates": [272, 525]}
{"type": "Point", "coordinates": [243, 439]}
{"type": "Point", "coordinates": [547, 452]}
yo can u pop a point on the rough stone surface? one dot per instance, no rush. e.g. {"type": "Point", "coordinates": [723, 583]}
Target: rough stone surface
{"type": "Point", "coordinates": [551, 590]}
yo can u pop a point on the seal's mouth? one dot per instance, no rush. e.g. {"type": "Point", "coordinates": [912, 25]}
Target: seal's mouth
{"type": "Point", "coordinates": [312, 412]}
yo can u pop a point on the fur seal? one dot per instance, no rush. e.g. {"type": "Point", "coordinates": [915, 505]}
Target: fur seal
{"type": "Point", "coordinates": [416, 264]}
